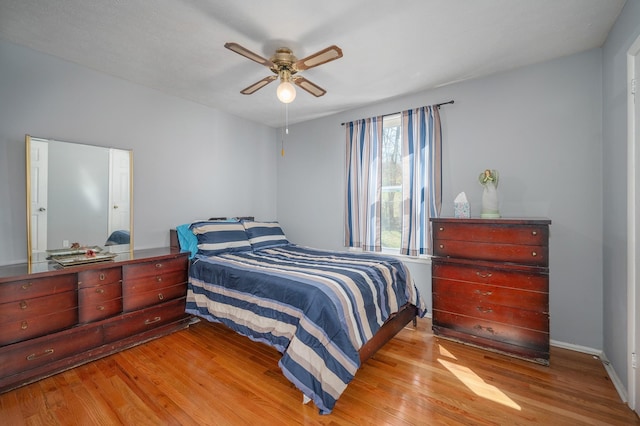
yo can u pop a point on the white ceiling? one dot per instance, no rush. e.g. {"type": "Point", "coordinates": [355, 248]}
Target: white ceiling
{"type": "Point", "coordinates": [391, 48]}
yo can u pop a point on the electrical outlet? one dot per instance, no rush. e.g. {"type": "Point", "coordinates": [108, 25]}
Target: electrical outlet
{"type": "Point", "coordinates": [65, 243]}
{"type": "Point", "coordinates": [634, 360]}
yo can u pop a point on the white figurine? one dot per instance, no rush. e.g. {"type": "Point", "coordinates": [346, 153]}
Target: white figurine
{"type": "Point", "coordinates": [489, 179]}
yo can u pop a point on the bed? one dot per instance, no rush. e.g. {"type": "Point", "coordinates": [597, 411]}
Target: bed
{"type": "Point", "coordinates": [325, 311]}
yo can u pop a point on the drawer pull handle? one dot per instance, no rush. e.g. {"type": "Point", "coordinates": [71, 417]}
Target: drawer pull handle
{"type": "Point", "coordinates": [100, 290]}
{"type": "Point", "coordinates": [534, 233]}
{"type": "Point", "coordinates": [100, 308]}
{"type": "Point", "coordinates": [534, 254]}
{"type": "Point", "coordinates": [151, 321]}
{"type": "Point", "coordinates": [24, 325]}
{"type": "Point", "coordinates": [483, 293]}
{"type": "Point", "coordinates": [27, 286]}
{"type": "Point", "coordinates": [442, 228]}
{"type": "Point", "coordinates": [34, 356]}
{"type": "Point", "coordinates": [158, 265]}
{"type": "Point", "coordinates": [484, 310]}
{"type": "Point", "coordinates": [480, 328]}
{"type": "Point", "coordinates": [159, 279]}
{"type": "Point", "coordinates": [441, 246]}
{"type": "Point", "coordinates": [102, 276]}
{"type": "Point", "coordinates": [484, 274]}
{"type": "Point", "coordinates": [23, 304]}
{"type": "Point", "coordinates": [160, 296]}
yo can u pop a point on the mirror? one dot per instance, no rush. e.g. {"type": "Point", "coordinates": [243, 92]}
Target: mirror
{"type": "Point", "coordinates": [77, 193]}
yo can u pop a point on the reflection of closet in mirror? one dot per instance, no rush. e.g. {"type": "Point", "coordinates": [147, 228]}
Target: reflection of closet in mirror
{"type": "Point", "coordinates": [77, 193]}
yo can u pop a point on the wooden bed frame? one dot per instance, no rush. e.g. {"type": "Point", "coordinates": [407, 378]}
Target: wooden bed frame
{"type": "Point", "coordinates": [389, 329]}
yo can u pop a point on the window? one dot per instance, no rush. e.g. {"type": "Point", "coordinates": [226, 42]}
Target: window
{"type": "Point", "coordinates": [391, 213]}
{"type": "Point", "coordinates": [393, 181]}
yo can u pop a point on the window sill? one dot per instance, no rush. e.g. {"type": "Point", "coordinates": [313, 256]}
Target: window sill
{"type": "Point", "coordinates": [425, 258]}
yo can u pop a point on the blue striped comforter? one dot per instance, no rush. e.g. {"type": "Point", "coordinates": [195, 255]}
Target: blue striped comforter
{"type": "Point", "coordinates": [316, 307]}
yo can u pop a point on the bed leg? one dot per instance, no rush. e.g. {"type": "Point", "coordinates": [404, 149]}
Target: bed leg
{"type": "Point", "coordinates": [305, 399]}
{"type": "Point", "coordinates": [415, 322]}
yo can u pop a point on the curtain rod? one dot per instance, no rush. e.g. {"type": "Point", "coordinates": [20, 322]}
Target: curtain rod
{"type": "Point", "coordinates": [436, 105]}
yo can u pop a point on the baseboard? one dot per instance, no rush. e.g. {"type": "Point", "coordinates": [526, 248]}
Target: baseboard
{"type": "Point", "coordinates": [611, 372]}
{"type": "Point", "coordinates": [577, 348]}
{"type": "Point", "coordinates": [622, 391]}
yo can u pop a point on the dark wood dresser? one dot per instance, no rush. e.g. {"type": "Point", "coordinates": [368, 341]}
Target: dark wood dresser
{"type": "Point", "coordinates": [57, 318]}
{"type": "Point", "coordinates": [490, 283]}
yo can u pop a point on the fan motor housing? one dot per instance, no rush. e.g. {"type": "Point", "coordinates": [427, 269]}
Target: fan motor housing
{"type": "Point", "coordinates": [283, 59]}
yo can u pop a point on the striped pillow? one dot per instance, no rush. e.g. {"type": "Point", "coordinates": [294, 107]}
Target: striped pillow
{"type": "Point", "coordinates": [265, 234]}
{"type": "Point", "coordinates": [215, 237]}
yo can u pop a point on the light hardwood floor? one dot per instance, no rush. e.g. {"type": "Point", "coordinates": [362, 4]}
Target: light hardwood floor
{"type": "Point", "coordinates": [208, 375]}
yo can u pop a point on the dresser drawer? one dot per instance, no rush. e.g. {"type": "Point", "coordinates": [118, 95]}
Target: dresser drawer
{"type": "Point", "coordinates": [26, 289]}
{"type": "Point", "coordinates": [25, 309]}
{"type": "Point", "coordinates": [34, 353]}
{"type": "Point", "coordinates": [487, 311]}
{"type": "Point", "coordinates": [147, 319]}
{"type": "Point", "coordinates": [518, 243]}
{"type": "Point", "coordinates": [150, 283]}
{"type": "Point", "coordinates": [91, 278]}
{"type": "Point", "coordinates": [513, 253]}
{"type": "Point", "coordinates": [490, 294]}
{"type": "Point", "coordinates": [100, 302]}
{"type": "Point", "coordinates": [98, 311]}
{"type": "Point", "coordinates": [532, 339]}
{"type": "Point", "coordinates": [530, 235]}
{"type": "Point", "coordinates": [137, 298]}
{"type": "Point", "coordinates": [99, 294]}
{"type": "Point", "coordinates": [523, 278]}
{"type": "Point", "coordinates": [162, 285]}
{"type": "Point", "coordinates": [152, 269]}
{"type": "Point", "coordinates": [35, 326]}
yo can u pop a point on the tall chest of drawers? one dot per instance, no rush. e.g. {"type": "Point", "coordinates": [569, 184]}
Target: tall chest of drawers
{"type": "Point", "coordinates": [490, 283]}
{"type": "Point", "coordinates": [56, 319]}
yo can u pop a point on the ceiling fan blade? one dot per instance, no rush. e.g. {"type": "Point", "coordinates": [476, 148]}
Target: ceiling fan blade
{"type": "Point", "coordinates": [258, 85]}
{"type": "Point", "coordinates": [248, 54]}
{"type": "Point", "coordinates": [310, 87]}
{"type": "Point", "coordinates": [322, 57]}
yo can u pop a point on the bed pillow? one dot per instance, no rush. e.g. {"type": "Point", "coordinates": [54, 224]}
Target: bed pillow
{"type": "Point", "coordinates": [215, 237]}
{"type": "Point", "coordinates": [265, 234]}
{"type": "Point", "coordinates": [187, 239]}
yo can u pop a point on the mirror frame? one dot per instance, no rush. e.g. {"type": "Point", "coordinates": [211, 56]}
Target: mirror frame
{"type": "Point", "coordinates": [28, 194]}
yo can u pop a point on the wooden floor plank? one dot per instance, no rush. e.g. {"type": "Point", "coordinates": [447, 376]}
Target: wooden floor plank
{"type": "Point", "coordinates": [209, 375]}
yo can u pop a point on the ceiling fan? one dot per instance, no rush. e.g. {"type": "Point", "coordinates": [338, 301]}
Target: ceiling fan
{"type": "Point", "coordinates": [286, 67]}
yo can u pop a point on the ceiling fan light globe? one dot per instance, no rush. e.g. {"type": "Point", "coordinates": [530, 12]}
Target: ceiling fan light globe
{"type": "Point", "coordinates": [286, 92]}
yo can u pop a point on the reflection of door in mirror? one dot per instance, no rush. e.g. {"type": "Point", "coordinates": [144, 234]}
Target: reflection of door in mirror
{"type": "Point", "coordinates": [119, 190]}
{"type": "Point", "coordinates": [39, 183]}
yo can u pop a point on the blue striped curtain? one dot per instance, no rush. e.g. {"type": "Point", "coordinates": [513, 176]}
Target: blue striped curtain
{"type": "Point", "coordinates": [364, 184]}
{"type": "Point", "coordinates": [422, 171]}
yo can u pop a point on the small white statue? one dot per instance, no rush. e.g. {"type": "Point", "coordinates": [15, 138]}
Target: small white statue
{"type": "Point", "coordinates": [489, 179]}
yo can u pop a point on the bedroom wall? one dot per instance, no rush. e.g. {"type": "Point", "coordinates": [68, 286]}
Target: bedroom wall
{"type": "Point", "coordinates": [625, 31]}
{"type": "Point", "coordinates": [190, 161]}
{"type": "Point", "coordinates": [539, 126]}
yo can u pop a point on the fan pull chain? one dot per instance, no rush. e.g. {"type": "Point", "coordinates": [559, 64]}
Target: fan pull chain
{"type": "Point", "coordinates": [286, 127]}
